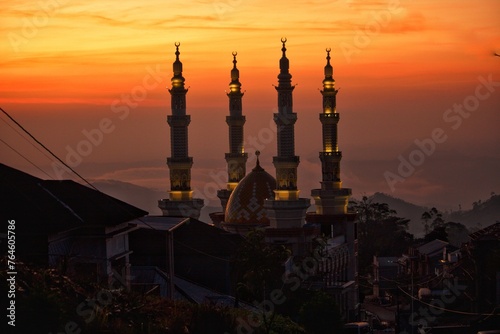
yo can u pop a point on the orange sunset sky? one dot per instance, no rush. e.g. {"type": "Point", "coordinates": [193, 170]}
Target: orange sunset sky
{"type": "Point", "coordinates": [402, 67]}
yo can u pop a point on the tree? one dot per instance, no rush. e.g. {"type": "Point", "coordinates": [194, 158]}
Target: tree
{"type": "Point", "coordinates": [259, 266]}
{"type": "Point", "coordinates": [380, 232]}
{"type": "Point", "coordinates": [435, 217]}
{"type": "Point", "coordinates": [454, 233]}
{"type": "Point", "coordinates": [426, 216]}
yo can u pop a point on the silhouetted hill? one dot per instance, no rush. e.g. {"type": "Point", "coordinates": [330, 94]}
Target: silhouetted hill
{"type": "Point", "coordinates": [481, 215]}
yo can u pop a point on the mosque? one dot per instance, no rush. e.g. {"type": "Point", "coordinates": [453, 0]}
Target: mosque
{"type": "Point", "coordinates": [258, 200]}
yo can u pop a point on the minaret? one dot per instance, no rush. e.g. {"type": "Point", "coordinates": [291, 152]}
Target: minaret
{"type": "Point", "coordinates": [286, 210]}
{"type": "Point", "coordinates": [181, 201]}
{"type": "Point", "coordinates": [286, 162]}
{"type": "Point", "coordinates": [236, 158]}
{"type": "Point", "coordinates": [331, 199]}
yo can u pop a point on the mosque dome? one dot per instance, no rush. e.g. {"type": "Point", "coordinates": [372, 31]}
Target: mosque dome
{"type": "Point", "coordinates": [246, 203]}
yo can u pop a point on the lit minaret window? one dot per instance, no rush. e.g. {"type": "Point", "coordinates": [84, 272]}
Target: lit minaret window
{"type": "Point", "coordinates": [286, 162]}
{"type": "Point", "coordinates": [181, 201]}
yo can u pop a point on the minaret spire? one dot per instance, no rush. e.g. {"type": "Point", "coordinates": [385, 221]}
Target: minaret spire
{"type": "Point", "coordinates": [181, 201]}
{"type": "Point", "coordinates": [236, 158]}
{"type": "Point", "coordinates": [284, 78]}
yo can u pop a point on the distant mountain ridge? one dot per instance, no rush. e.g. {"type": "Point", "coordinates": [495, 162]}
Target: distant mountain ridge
{"type": "Point", "coordinates": [483, 213]}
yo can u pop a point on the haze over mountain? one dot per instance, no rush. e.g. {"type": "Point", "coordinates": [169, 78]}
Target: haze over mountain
{"type": "Point", "coordinates": [483, 213]}
{"type": "Point", "coordinates": [141, 197]}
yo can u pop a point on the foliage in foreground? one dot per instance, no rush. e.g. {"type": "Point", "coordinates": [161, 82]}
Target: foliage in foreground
{"type": "Point", "coordinates": [49, 302]}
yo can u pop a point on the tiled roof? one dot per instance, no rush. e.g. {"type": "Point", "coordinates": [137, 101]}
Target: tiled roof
{"type": "Point", "coordinates": [492, 231]}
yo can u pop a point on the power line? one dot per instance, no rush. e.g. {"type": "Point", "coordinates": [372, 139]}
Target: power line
{"type": "Point", "coordinates": [28, 160]}
{"type": "Point", "coordinates": [66, 165]}
{"type": "Point", "coordinates": [445, 309]}
{"type": "Point", "coordinates": [47, 149]}
{"type": "Point", "coordinates": [26, 139]}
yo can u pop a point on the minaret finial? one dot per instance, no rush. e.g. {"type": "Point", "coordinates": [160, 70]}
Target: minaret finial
{"type": "Point", "coordinates": [177, 53]}
{"type": "Point", "coordinates": [283, 40]}
{"type": "Point", "coordinates": [177, 63]}
{"type": "Point", "coordinates": [328, 66]}
{"type": "Point", "coordinates": [234, 58]}
{"type": "Point", "coordinates": [284, 76]}
{"type": "Point", "coordinates": [235, 84]}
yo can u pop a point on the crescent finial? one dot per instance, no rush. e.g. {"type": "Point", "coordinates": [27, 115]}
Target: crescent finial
{"type": "Point", "coordinates": [328, 49]}
{"type": "Point", "coordinates": [235, 53]}
{"type": "Point", "coordinates": [177, 44]}
{"type": "Point", "coordinates": [283, 39]}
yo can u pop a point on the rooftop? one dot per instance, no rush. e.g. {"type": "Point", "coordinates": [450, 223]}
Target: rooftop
{"type": "Point", "coordinates": [432, 247]}
{"type": "Point", "coordinates": [54, 205]}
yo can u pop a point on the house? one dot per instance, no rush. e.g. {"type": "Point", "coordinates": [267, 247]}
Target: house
{"type": "Point", "coordinates": [63, 224]}
{"type": "Point", "coordinates": [427, 259]}
{"type": "Point", "coordinates": [480, 269]}
{"type": "Point", "coordinates": [186, 248]}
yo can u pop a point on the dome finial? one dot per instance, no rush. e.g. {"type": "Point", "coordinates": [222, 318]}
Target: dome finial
{"type": "Point", "coordinates": [257, 164]}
